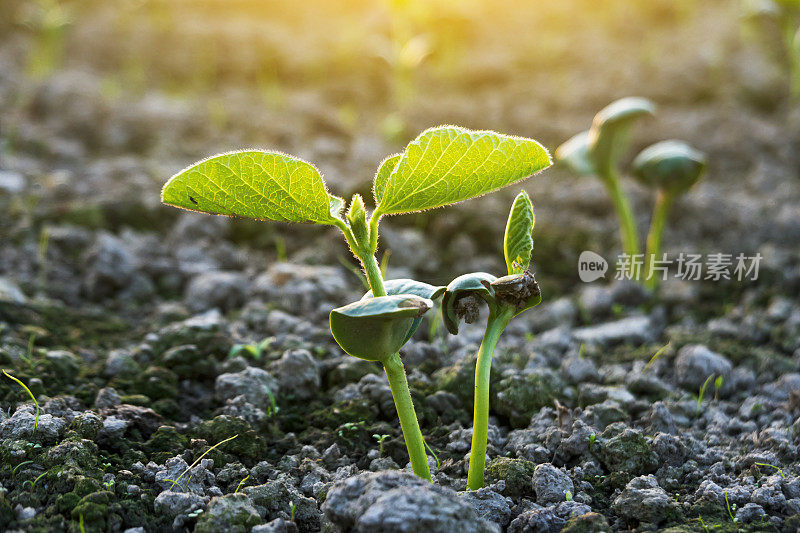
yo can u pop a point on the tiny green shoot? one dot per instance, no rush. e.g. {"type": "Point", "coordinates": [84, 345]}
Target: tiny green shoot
{"type": "Point", "coordinates": [21, 384]}
{"type": "Point", "coordinates": [217, 445]}
{"type": "Point", "coordinates": [717, 386]}
{"type": "Point", "coordinates": [435, 457]}
{"type": "Point", "coordinates": [442, 166]}
{"type": "Point", "coordinates": [292, 508]}
{"type": "Point", "coordinates": [728, 505]}
{"type": "Point", "coordinates": [592, 439]}
{"type": "Point", "coordinates": [700, 519]}
{"type": "Point", "coordinates": [380, 439]}
{"type": "Point", "coordinates": [701, 393]}
{"type": "Point", "coordinates": [656, 355]}
{"type": "Point", "coordinates": [772, 466]}
{"type": "Point", "coordinates": [241, 483]}
{"type": "Point", "coordinates": [568, 496]}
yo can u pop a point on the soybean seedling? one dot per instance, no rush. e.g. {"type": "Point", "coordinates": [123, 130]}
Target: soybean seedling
{"type": "Point", "coordinates": [506, 297]}
{"type": "Point", "coordinates": [596, 152]}
{"type": "Point", "coordinates": [671, 168]}
{"type": "Point", "coordinates": [442, 166]}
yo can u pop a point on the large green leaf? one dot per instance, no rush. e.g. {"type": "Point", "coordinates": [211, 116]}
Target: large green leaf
{"type": "Point", "coordinates": [375, 328]}
{"type": "Point", "coordinates": [384, 171]}
{"type": "Point", "coordinates": [254, 184]}
{"type": "Point", "coordinates": [518, 242]}
{"type": "Point", "coordinates": [449, 164]}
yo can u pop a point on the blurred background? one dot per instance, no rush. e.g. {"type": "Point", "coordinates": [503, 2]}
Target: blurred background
{"type": "Point", "coordinates": [102, 101]}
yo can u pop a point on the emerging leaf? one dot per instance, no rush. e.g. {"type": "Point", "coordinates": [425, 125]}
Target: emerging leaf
{"type": "Point", "coordinates": [384, 171]}
{"type": "Point", "coordinates": [575, 154]}
{"type": "Point", "coordinates": [608, 135]}
{"type": "Point", "coordinates": [254, 184]}
{"type": "Point", "coordinates": [409, 286]}
{"type": "Point", "coordinates": [518, 242]}
{"type": "Point", "coordinates": [449, 164]}
{"type": "Point", "coordinates": [671, 165]}
{"type": "Point", "coordinates": [376, 328]}
{"type": "Point", "coordinates": [462, 297]}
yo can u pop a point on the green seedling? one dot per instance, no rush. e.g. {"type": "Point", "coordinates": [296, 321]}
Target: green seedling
{"type": "Point", "coordinates": [380, 439]}
{"type": "Point", "coordinates": [728, 505]}
{"type": "Point", "coordinates": [702, 392]}
{"type": "Point", "coordinates": [596, 152]}
{"type": "Point", "coordinates": [21, 384]}
{"type": "Point", "coordinates": [592, 439]}
{"type": "Point", "coordinates": [506, 297]}
{"type": "Point", "coordinates": [656, 355]}
{"type": "Point", "coordinates": [253, 351]}
{"type": "Point", "coordinates": [671, 168]}
{"type": "Point", "coordinates": [241, 483]}
{"type": "Point", "coordinates": [442, 166]}
{"type": "Point", "coordinates": [772, 466]}
{"type": "Point", "coordinates": [433, 453]}
{"type": "Point", "coordinates": [717, 386]}
{"type": "Point", "coordinates": [292, 509]}
{"type": "Point", "coordinates": [217, 445]}
{"type": "Point", "coordinates": [778, 17]}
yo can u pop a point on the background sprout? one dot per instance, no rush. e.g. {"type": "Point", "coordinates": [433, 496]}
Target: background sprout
{"type": "Point", "coordinates": [672, 168]}
{"type": "Point", "coordinates": [506, 297]}
{"type": "Point", "coordinates": [440, 167]}
{"type": "Point", "coordinates": [597, 152]}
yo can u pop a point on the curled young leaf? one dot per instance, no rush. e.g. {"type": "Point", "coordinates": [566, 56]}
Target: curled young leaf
{"type": "Point", "coordinates": [608, 135]}
{"type": "Point", "coordinates": [520, 291]}
{"type": "Point", "coordinates": [670, 165]}
{"type": "Point", "coordinates": [449, 164]}
{"type": "Point", "coordinates": [463, 296]}
{"type": "Point", "coordinates": [254, 184]}
{"type": "Point", "coordinates": [376, 328]}
{"type": "Point", "coordinates": [518, 240]}
{"type": "Point", "coordinates": [409, 286]}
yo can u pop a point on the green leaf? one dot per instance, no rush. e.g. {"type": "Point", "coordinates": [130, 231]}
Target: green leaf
{"type": "Point", "coordinates": [409, 286]}
{"type": "Point", "coordinates": [376, 328]}
{"type": "Point", "coordinates": [384, 171]}
{"type": "Point", "coordinates": [254, 184]}
{"type": "Point", "coordinates": [470, 287]}
{"type": "Point", "coordinates": [608, 136]}
{"type": "Point", "coordinates": [575, 154]}
{"type": "Point", "coordinates": [518, 242]}
{"type": "Point", "coordinates": [671, 165]}
{"type": "Point", "coordinates": [449, 164]}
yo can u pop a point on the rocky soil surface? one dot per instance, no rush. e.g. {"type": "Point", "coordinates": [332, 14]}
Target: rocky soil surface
{"type": "Point", "coordinates": [185, 375]}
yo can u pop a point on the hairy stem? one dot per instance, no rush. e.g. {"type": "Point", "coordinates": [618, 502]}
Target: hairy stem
{"type": "Point", "coordinates": [627, 223]}
{"type": "Point", "coordinates": [373, 271]}
{"type": "Point", "coordinates": [480, 424]}
{"type": "Point", "coordinates": [408, 418]}
{"type": "Point", "coordinates": [660, 212]}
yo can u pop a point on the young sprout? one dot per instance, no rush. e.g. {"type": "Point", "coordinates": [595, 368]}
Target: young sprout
{"type": "Point", "coordinates": [442, 166]}
{"type": "Point", "coordinates": [672, 168]}
{"type": "Point", "coordinates": [596, 152]}
{"type": "Point", "coordinates": [506, 297]}
{"type": "Point", "coordinates": [380, 439]}
{"type": "Point", "coordinates": [35, 403]}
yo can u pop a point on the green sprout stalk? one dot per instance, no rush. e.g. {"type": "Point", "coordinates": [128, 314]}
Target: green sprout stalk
{"type": "Point", "coordinates": [671, 168]}
{"type": "Point", "coordinates": [597, 152]}
{"type": "Point", "coordinates": [506, 297]}
{"type": "Point", "coordinates": [480, 422]}
{"type": "Point", "coordinates": [21, 384]}
{"type": "Point", "coordinates": [442, 166]}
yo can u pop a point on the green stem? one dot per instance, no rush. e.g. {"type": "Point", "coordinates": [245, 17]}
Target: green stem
{"type": "Point", "coordinates": [408, 418]}
{"type": "Point", "coordinates": [480, 425]}
{"type": "Point", "coordinates": [627, 223]}
{"type": "Point", "coordinates": [371, 267]}
{"type": "Point", "coordinates": [660, 212]}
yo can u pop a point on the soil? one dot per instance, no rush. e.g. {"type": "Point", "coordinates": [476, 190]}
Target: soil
{"type": "Point", "coordinates": [148, 336]}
